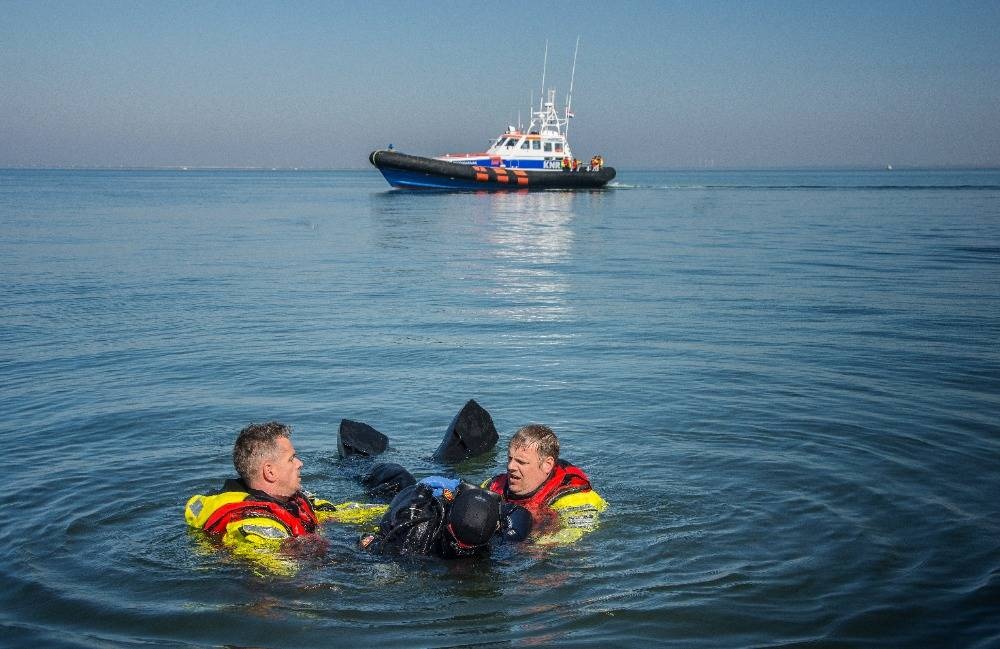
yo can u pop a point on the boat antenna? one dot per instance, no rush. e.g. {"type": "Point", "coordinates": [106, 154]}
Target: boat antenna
{"type": "Point", "coordinates": [545, 63]}
{"type": "Point", "coordinates": [572, 76]}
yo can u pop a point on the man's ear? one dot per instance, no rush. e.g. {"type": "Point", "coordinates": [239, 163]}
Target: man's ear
{"type": "Point", "coordinates": [548, 463]}
{"type": "Point", "coordinates": [267, 471]}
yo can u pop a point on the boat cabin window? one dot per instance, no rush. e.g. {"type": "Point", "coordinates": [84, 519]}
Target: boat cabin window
{"type": "Point", "coordinates": [548, 147]}
{"type": "Point", "coordinates": [525, 145]}
{"type": "Point", "coordinates": [558, 147]}
{"type": "Point", "coordinates": [536, 145]}
{"type": "Point", "coordinates": [511, 141]}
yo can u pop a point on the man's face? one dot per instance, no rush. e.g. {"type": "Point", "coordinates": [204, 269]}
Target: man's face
{"type": "Point", "coordinates": [526, 469]}
{"type": "Point", "coordinates": [286, 467]}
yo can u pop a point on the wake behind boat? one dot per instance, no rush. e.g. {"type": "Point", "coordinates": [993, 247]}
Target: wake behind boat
{"type": "Point", "coordinates": [538, 157]}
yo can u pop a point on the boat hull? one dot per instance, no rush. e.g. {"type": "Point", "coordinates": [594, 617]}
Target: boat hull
{"type": "Point", "coordinates": [416, 172]}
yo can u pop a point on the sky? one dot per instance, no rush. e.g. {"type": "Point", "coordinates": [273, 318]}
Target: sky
{"type": "Point", "coordinates": [658, 85]}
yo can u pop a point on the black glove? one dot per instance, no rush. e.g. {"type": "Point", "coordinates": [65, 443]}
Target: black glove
{"type": "Point", "coordinates": [387, 480]}
{"type": "Point", "coordinates": [515, 523]}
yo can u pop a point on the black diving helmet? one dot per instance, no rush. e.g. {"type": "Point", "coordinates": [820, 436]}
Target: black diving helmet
{"type": "Point", "coordinates": [473, 518]}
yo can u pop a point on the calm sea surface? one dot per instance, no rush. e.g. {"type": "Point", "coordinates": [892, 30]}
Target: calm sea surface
{"type": "Point", "coordinates": [787, 385]}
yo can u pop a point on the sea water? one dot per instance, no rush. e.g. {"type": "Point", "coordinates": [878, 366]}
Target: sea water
{"type": "Point", "coordinates": [786, 384]}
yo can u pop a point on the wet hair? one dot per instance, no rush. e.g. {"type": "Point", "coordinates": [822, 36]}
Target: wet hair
{"type": "Point", "coordinates": [256, 443]}
{"type": "Point", "coordinates": [538, 436]}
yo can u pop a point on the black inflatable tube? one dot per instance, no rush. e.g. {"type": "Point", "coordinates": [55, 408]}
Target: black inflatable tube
{"type": "Point", "coordinates": [496, 177]}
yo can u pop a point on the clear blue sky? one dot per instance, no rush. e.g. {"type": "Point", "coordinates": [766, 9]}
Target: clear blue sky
{"type": "Point", "coordinates": [658, 84]}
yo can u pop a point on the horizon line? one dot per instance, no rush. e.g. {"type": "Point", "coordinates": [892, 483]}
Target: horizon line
{"type": "Point", "coordinates": [247, 168]}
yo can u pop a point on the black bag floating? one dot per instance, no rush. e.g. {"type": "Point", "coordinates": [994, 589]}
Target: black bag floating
{"type": "Point", "coordinates": [418, 523]}
{"type": "Point", "coordinates": [357, 438]}
{"type": "Point", "coordinates": [412, 525]}
{"type": "Point", "coordinates": [470, 433]}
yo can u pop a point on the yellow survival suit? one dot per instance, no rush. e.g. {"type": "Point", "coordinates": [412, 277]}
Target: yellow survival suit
{"type": "Point", "coordinates": [566, 504]}
{"type": "Point", "coordinates": [255, 526]}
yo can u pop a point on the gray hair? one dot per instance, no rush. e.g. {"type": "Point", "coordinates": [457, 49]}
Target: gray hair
{"type": "Point", "coordinates": [256, 443]}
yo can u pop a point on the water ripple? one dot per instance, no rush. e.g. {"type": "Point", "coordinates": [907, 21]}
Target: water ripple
{"type": "Point", "coordinates": [785, 384]}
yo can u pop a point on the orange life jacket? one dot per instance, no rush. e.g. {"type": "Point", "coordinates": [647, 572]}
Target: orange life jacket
{"type": "Point", "coordinates": [296, 515]}
{"type": "Point", "coordinates": [565, 479]}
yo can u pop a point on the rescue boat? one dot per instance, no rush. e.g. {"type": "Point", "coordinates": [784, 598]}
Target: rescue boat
{"type": "Point", "coordinates": [536, 157]}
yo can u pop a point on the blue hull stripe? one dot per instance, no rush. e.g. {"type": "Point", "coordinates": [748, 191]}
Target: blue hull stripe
{"type": "Point", "coordinates": [509, 163]}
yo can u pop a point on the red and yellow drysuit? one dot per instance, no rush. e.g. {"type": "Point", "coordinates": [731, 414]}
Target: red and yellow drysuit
{"type": "Point", "coordinates": [565, 504]}
{"type": "Point", "coordinates": [255, 525]}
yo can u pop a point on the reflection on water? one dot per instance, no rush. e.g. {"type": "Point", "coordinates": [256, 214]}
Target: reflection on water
{"type": "Point", "coordinates": [511, 249]}
{"type": "Point", "coordinates": [530, 237]}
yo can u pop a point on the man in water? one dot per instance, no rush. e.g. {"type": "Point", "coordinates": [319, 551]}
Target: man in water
{"type": "Point", "coordinates": [558, 495]}
{"type": "Point", "coordinates": [266, 506]}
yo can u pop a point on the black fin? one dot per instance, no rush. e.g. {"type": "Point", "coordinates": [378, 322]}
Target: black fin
{"type": "Point", "coordinates": [357, 438]}
{"type": "Point", "coordinates": [470, 433]}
